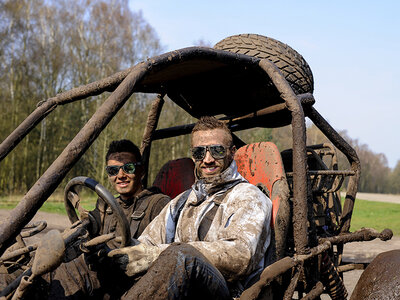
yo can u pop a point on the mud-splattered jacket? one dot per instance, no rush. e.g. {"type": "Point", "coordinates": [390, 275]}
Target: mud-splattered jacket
{"type": "Point", "coordinates": [239, 235]}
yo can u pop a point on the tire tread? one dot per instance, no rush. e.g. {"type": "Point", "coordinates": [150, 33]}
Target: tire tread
{"type": "Point", "coordinates": [293, 66]}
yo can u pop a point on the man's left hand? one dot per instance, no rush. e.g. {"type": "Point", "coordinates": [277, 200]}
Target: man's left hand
{"type": "Point", "coordinates": [135, 259]}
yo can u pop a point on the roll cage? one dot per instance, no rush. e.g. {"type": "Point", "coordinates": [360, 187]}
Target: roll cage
{"type": "Point", "coordinates": [246, 91]}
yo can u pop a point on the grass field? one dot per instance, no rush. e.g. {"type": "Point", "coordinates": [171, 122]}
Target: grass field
{"type": "Point", "coordinates": [55, 204]}
{"type": "Point", "coordinates": [378, 215]}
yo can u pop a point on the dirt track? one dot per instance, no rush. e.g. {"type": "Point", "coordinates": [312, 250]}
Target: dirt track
{"type": "Point", "coordinates": [390, 198]}
{"type": "Point", "coordinates": [358, 252]}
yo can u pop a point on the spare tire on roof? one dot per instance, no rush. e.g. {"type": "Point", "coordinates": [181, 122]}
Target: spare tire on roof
{"type": "Point", "coordinates": [293, 66]}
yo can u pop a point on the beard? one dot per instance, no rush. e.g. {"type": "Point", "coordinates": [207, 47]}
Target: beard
{"type": "Point", "coordinates": [218, 178]}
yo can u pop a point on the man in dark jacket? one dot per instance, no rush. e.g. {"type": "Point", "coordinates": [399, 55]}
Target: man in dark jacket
{"type": "Point", "coordinates": [94, 277]}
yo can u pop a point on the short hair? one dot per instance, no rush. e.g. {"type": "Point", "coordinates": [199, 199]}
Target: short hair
{"type": "Point", "coordinates": [210, 123]}
{"type": "Point", "coordinates": [123, 146]}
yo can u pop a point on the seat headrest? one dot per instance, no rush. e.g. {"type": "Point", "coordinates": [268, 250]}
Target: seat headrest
{"type": "Point", "coordinates": [175, 177]}
{"type": "Point", "coordinates": [261, 163]}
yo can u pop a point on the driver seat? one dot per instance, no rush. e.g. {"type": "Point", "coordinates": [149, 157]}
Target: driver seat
{"type": "Point", "coordinates": [261, 164]}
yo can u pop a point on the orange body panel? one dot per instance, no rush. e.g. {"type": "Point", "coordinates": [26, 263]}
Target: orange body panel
{"type": "Point", "coordinates": [262, 163]}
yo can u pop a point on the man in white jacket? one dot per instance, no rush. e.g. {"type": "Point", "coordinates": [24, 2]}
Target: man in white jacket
{"type": "Point", "coordinates": [211, 240]}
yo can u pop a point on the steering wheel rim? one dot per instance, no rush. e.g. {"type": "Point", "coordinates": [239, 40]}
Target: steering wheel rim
{"type": "Point", "coordinates": [103, 193]}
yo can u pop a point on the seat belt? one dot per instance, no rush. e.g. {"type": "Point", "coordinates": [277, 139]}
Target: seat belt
{"type": "Point", "coordinates": [209, 216]}
{"type": "Point", "coordinates": [206, 222]}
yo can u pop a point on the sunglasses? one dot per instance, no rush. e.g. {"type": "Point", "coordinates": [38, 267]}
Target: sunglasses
{"type": "Point", "coordinates": [216, 151]}
{"type": "Point", "coordinates": [128, 168]}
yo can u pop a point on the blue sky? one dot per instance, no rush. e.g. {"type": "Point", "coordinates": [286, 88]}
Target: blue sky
{"type": "Point", "coordinates": [352, 47]}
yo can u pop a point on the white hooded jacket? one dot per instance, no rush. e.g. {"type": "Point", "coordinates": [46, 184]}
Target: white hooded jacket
{"type": "Point", "coordinates": [239, 235]}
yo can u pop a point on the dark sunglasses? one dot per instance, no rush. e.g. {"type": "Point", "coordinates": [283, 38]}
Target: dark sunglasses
{"type": "Point", "coordinates": [216, 151]}
{"type": "Point", "coordinates": [128, 168]}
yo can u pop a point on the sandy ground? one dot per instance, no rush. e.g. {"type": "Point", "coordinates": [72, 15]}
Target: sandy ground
{"type": "Point", "coordinates": [54, 221]}
{"type": "Point", "coordinates": [390, 198]}
{"type": "Point", "coordinates": [357, 252]}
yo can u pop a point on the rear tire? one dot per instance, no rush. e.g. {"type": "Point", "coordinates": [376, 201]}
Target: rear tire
{"type": "Point", "coordinates": [293, 66]}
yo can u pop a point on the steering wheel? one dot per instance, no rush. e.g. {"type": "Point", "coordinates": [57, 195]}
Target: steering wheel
{"type": "Point", "coordinates": [72, 202]}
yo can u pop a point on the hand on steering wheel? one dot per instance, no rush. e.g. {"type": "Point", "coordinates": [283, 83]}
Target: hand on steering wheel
{"type": "Point", "coordinates": [72, 203]}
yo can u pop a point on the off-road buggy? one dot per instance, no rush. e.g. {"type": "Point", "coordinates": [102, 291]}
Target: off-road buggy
{"type": "Point", "coordinates": [248, 81]}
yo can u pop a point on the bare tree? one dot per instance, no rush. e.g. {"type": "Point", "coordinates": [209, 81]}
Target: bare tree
{"type": "Point", "coordinates": [49, 47]}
